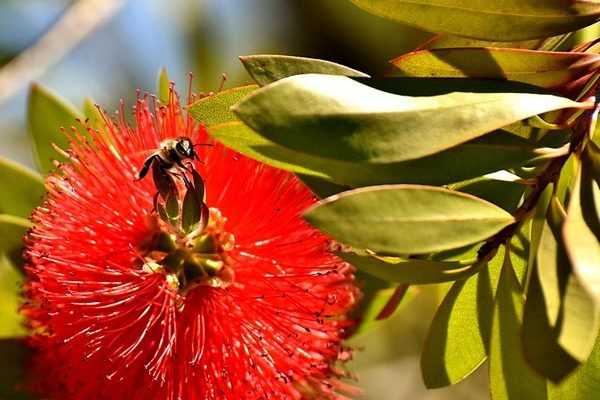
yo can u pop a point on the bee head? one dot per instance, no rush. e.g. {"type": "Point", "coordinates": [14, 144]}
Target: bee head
{"type": "Point", "coordinates": [185, 148]}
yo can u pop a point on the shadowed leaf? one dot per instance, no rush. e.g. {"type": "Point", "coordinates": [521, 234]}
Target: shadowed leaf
{"type": "Point", "coordinates": [540, 68]}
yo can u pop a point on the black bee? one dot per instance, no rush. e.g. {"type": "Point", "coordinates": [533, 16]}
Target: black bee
{"type": "Point", "coordinates": [171, 153]}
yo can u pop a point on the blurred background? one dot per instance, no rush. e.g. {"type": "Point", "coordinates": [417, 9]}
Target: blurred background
{"type": "Point", "coordinates": [106, 49]}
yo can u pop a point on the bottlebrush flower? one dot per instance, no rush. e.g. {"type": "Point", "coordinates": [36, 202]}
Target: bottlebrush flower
{"type": "Point", "coordinates": [111, 320]}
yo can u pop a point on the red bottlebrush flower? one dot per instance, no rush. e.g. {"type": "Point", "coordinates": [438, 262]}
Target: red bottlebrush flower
{"type": "Point", "coordinates": [114, 315]}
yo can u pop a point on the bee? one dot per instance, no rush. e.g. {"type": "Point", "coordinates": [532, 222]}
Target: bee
{"type": "Point", "coordinates": [170, 154]}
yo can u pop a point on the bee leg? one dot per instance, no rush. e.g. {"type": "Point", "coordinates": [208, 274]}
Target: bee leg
{"type": "Point", "coordinates": [145, 168]}
{"type": "Point", "coordinates": [155, 201]}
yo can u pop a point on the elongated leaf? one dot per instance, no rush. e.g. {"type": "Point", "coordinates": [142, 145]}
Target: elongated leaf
{"type": "Point", "coordinates": [21, 189]}
{"type": "Point", "coordinates": [580, 232]}
{"type": "Point", "coordinates": [411, 271]}
{"type": "Point", "coordinates": [459, 332]}
{"type": "Point", "coordinates": [583, 383]}
{"type": "Point", "coordinates": [496, 151]}
{"type": "Point", "coordinates": [540, 68]}
{"type": "Point", "coordinates": [489, 20]}
{"type": "Point", "coordinates": [407, 219]}
{"type": "Point", "coordinates": [336, 117]}
{"type": "Point", "coordinates": [214, 109]}
{"type": "Point", "coordinates": [538, 221]}
{"type": "Point", "coordinates": [47, 113]}
{"type": "Point", "coordinates": [553, 266]}
{"type": "Point", "coordinates": [510, 376]}
{"type": "Point", "coordinates": [265, 69]}
{"type": "Point", "coordinates": [568, 302]}
{"type": "Point", "coordinates": [163, 86]}
{"type": "Point", "coordinates": [540, 337]}
{"type": "Point", "coordinates": [11, 322]}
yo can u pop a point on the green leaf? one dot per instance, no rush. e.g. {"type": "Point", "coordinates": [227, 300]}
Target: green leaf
{"type": "Point", "coordinates": [540, 336]}
{"type": "Point", "coordinates": [22, 189]}
{"type": "Point", "coordinates": [492, 152]}
{"type": "Point", "coordinates": [459, 332]}
{"type": "Point", "coordinates": [581, 232]}
{"type": "Point", "coordinates": [552, 265]}
{"type": "Point", "coordinates": [265, 69]}
{"type": "Point", "coordinates": [407, 219]}
{"type": "Point", "coordinates": [14, 354]}
{"type": "Point", "coordinates": [541, 68]}
{"type": "Point", "coordinates": [567, 302]}
{"type": "Point", "coordinates": [583, 384]}
{"type": "Point", "coordinates": [163, 85]}
{"type": "Point", "coordinates": [214, 109]}
{"type": "Point", "coordinates": [538, 221]}
{"type": "Point", "coordinates": [591, 158]}
{"type": "Point", "coordinates": [549, 297]}
{"type": "Point", "coordinates": [11, 322]}
{"type": "Point", "coordinates": [510, 376]}
{"type": "Point", "coordinates": [47, 113]}
{"type": "Point", "coordinates": [12, 230]}
{"type": "Point", "coordinates": [413, 271]}
{"type": "Point", "coordinates": [336, 117]}
{"type": "Point", "coordinates": [508, 20]}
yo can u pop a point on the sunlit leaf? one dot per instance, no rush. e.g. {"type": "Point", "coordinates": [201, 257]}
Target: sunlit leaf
{"type": "Point", "coordinates": [580, 232]}
{"type": "Point", "coordinates": [583, 384]}
{"type": "Point", "coordinates": [47, 113]}
{"type": "Point", "coordinates": [538, 221]}
{"type": "Point", "coordinates": [540, 337]}
{"type": "Point", "coordinates": [336, 117]}
{"type": "Point", "coordinates": [510, 375]}
{"type": "Point", "coordinates": [567, 299]}
{"type": "Point", "coordinates": [508, 20]}
{"type": "Point", "coordinates": [407, 219]}
{"type": "Point", "coordinates": [214, 109]}
{"type": "Point", "coordinates": [480, 156]}
{"type": "Point", "coordinates": [265, 69]}
{"type": "Point", "coordinates": [459, 332]}
{"type": "Point", "coordinates": [21, 189]}
{"type": "Point", "coordinates": [540, 68]}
